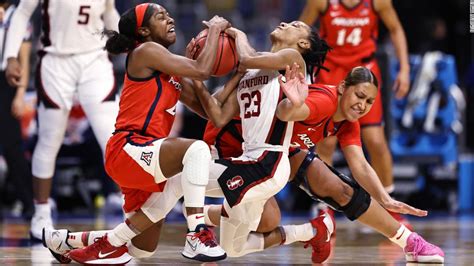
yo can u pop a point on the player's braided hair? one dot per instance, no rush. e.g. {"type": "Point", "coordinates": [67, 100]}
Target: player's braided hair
{"type": "Point", "coordinates": [127, 38]}
{"type": "Point", "coordinates": [359, 75]}
{"type": "Point", "coordinates": [315, 56]}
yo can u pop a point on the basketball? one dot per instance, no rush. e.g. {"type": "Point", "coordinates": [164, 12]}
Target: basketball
{"type": "Point", "coordinates": [226, 59]}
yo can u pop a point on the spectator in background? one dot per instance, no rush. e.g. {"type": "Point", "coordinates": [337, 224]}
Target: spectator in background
{"type": "Point", "coordinates": [351, 28]}
{"type": "Point", "coordinates": [12, 107]}
{"type": "Point", "coordinates": [72, 61]}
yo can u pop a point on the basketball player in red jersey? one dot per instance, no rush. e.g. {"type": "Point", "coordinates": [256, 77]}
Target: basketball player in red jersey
{"type": "Point", "coordinates": [133, 158]}
{"type": "Point", "coordinates": [325, 105]}
{"type": "Point", "coordinates": [351, 28]}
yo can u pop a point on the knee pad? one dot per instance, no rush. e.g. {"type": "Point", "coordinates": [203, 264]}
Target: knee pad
{"type": "Point", "coordinates": [138, 253]}
{"type": "Point", "coordinates": [359, 202]}
{"type": "Point", "coordinates": [196, 163]}
{"type": "Point", "coordinates": [159, 204]}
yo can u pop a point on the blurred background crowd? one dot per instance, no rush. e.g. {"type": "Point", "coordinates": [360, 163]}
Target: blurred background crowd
{"type": "Point", "coordinates": [435, 163]}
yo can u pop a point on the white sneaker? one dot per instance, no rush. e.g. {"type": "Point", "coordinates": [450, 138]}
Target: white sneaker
{"type": "Point", "coordinates": [56, 242]}
{"type": "Point", "coordinates": [39, 221]}
{"type": "Point", "coordinates": [201, 245]}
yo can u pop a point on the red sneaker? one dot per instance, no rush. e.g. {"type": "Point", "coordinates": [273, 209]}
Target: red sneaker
{"type": "Point", "coordinates": [401, 219]}
{"type": "Point", "coordinates": [319, 208]}
{"type": "Point", "coordinates": [101, 252]}
{"type": "Point", "coordinates": [321, 242]}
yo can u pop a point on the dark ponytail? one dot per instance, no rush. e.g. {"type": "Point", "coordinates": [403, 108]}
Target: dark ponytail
{"type": "Point", "coordinates": [118, 43]}
{"type": "Point", "coordinates": [359, 75]}
{"type": "Point", "coordinates": [127, 38]}
{"type": "Point", "coordinates": [314, 57]}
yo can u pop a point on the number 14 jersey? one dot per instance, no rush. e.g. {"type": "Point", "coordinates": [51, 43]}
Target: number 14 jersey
{"type": "Point", "coordinates": [258, 95]}
{"type": "Point", "coordinates": [351, 32]}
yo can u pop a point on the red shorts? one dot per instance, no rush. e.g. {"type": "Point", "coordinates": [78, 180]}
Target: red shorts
{"type": "Point", "coordinates": [338, 73]}
{"type": "Point", "coordinates": [132, 161]}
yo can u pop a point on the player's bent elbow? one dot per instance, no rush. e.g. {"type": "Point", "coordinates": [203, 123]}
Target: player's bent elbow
{"type": "Point", "coordinates": [283, 115]}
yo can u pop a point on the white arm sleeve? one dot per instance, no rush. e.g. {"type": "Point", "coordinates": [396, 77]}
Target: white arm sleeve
{"type": "Point", "coordinates": [18, 27]}
{"type": "Point", "coordinates": [111, 16]}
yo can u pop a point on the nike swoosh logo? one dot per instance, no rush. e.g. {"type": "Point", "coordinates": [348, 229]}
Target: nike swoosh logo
{"type": "Point", "coordinates": [199, 217]}
{"type": "Point", "coordinates": [401, 234]}
{"type": "Point", "coordinates": [101, 256]}
{"type": "Point", "coordinates": [193, 247]}
{"type": "Point", "coordinates": [59, 246]}
{"type": "Point", "coordinates": [334, 14]}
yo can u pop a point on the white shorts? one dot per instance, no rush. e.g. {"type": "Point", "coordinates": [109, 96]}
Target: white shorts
{"type": "Point", "coordinates": [90, 76]}
{"type": "Point", "coordinates": [248, 184]}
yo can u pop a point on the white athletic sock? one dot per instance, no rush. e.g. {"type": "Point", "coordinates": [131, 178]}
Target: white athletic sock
{"type": "Point", "coordinates": [82, 239]}
{"type": "Point", "coordinates": [302, 232]}
{"type": "Point", "coordinates": [42, 208]}
{"type": "Point", "coordinates": [120, 235]}
{"type": "Point", "coordinates": [401, 236]}
{"type": "Point", "coordinates": [194, 220]}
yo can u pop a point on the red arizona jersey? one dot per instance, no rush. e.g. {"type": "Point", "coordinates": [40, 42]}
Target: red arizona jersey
{"type": "Point", "coordinates": [227, 140]}
{"type": "Point", "coordinates": [322, 102]}
{"type": "Point", "coordinates": [351, 32]}
{"type": "Point", "coordinates": [148, 105]}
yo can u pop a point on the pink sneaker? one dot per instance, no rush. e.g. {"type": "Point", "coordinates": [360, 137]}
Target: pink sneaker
{"type": "Point", "coordinates": [419, 250]}
{"type": "Point", "coordinates": [321, 242]}
{"type": "Point", "coordinates": [101, 252]}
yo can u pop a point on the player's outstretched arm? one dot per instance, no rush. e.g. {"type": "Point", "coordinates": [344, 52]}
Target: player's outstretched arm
{"type": "Point", "coordinates": [368, 179]}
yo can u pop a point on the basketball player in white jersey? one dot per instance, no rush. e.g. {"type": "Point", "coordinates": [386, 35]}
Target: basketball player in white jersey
{"type": "Point", "coordinates": [72, 63]}
{"type": "Point", "coordinates": [247, 182]}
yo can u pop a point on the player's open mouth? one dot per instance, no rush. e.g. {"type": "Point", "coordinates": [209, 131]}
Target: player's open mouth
{"type": "Point", "coordinates": [357, 111]}
{"type": "Point", "coordinates": [171, 30]}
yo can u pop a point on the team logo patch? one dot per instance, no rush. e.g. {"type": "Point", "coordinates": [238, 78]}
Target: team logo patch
{"type": "Point", "coordinates": [235, 182]}
{"type": "Point", "coordinates": [172, 110]}
{"type": "Point", "coordinates": [146, 157]}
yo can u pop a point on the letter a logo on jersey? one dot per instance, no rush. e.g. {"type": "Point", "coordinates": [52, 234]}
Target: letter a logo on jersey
{"type": "Point", "coordinates": [235, 182]}
{"type": "Point", "coordinates": [146, 157]}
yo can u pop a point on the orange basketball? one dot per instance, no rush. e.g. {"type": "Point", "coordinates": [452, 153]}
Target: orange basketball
{"type": "Point", "coordinates": [226, 59]}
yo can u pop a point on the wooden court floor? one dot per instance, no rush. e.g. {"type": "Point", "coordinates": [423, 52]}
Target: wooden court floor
{"type": "Point", "coordinates": [353, 244]}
